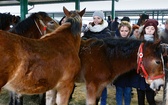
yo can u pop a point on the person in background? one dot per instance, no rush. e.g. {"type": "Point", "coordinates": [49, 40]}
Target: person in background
{"type": "Point", "coordinates": [117, 33]}
{"type": "Point", "coordinates": [109, 21]}
{"type": "Point", "coordinates": [163, 35]}
{"type": "Point", "coordinates": [141, 21]}
{"type": "Point", "coordinates": [149, 33]}
{"type": "Point", "coordinates": [115, 24]}
{"type": "Point", "coordinates": [98, 29]}
{"type": "Point", "coordinates": [135, 32]}
{"type": "Point", "coordinates": [150, 30]}
{"type": "Point", "coordinates": [123, 90]}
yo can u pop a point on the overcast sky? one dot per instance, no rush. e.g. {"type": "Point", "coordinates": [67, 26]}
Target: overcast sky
{"type": "Point", "coordinates": [91, 6]}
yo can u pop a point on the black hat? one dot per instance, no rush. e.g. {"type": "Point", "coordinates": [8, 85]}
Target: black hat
{"type": "Point", "coordinates": [144, 16]}
{"type": "Point", "coordinates": [125, 19]}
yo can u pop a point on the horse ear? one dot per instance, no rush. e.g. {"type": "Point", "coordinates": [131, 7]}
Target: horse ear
{"type": "Point", "coordinates": [81, 13]}
{"type": "Point", "coordinates": [66, 12]}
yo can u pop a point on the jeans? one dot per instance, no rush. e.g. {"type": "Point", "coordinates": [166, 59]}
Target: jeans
{"type": "Point", "coordinates": [123, 92]}
{"type": "Point", "coordinates": [104, 96]}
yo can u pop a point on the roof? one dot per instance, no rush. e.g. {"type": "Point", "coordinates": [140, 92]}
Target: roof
{"type": "Point", "coordinates": [33, 2]}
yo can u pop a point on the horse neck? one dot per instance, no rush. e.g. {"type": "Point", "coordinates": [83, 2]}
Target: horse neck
{"type": "Point", "coordinates": [63, 33]}
{"type": "Point", "coordinates": [123, 63]}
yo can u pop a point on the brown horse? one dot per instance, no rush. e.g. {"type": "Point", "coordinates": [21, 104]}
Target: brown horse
{"type": "Point", "coordinates": [34, 26]}
{"type": "Point", "coordinates": [104, 60]}
{"type": "Point", "coordinates": [33, 66]}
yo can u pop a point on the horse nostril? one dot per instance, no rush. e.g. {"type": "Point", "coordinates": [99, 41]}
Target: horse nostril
{"type": "Point", "coordinates": [158, 62]}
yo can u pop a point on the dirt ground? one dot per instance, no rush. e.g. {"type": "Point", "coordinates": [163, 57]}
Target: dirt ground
{"type": "Point", "coordinates": [79, 97]}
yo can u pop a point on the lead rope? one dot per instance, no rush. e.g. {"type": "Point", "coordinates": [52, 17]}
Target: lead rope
{"type": "Point", "coordinates": [44, 27]}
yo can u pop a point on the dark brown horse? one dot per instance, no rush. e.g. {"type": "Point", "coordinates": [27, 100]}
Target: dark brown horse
{"type": "Point", "coordinates": [34, 26]}
{"type": "Point", "coordinates": [7, 19]}
{"type": "Point", "coordinates": [104, 60]}
{"type": "Point", "coordinates": [33, 66]}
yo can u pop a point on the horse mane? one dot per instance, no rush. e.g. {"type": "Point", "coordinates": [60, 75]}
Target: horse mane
{"type": "Point", "coordinates": [121, 47]}
{"type": "Point", "coordinates": [24, 25]}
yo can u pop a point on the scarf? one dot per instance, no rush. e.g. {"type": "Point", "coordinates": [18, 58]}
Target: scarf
{"type": "Point", "coordinates": [98, 28]}
{"type": "Point", "coordinates": [148, 37]}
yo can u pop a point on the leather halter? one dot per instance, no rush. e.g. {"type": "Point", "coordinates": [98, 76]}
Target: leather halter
{"type": "Point", "coordinates": [141, 66]}
{"type": "Point", "coordinates": [44, 27]}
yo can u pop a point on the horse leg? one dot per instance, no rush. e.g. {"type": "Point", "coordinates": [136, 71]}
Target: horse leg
{"type": "Point", "coordinates": [19, 99]}
{"type": "Point", "coordinates": [15, 99]}
{"type": "Point", "coordinates": [63, 93]}
{"type": "Point", "coordinates": [94, 92]}
{"type": "Point", "coordinates": [42, 98]}
{"type": "Point", "coordinates": [91, 94]}
{"type": "Point", "coordinates": [72, 93]}
{"type": "Point", "coordinates": [51, 97]}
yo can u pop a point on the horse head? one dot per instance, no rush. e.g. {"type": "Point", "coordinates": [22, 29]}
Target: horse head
{"type": "Point", "coordinates": [45, 23]}
{"type": "Point", "coordinates": [74, 17]}
{"type": "Point", "coordinates": [152, 71]}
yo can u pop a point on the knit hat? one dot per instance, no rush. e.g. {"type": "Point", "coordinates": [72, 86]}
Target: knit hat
{"type": "Point", "coordinates": [99, 13]}
{"type": "Point", "coordinates": [151, 22]}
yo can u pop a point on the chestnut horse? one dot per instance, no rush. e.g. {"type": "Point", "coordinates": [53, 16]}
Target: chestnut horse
{"type": "Point", "coordinates": [33, 66]}
{"type": "Point", "coordinates": [34, 26]}
{"type": "Point", "coordinates": [104, 60]}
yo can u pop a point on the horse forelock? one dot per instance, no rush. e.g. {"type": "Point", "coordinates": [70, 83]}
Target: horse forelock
{"type": "Point", "coordinates": [76, 23]}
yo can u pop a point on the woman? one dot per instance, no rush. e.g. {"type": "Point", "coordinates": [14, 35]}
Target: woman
{"type": "Point", "coordinates": [98, 29]}
{"type": "Point", "coordinates": [135, 32]}
{"type": "Point", "coordinates": [123, 90]}
{"type": "Point", "coordinates": [149, 33]}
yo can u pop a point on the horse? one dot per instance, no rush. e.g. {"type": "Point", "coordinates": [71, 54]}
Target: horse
{"type": "Point", "coordinates": [34, 26]}
{"type": "Point", "coordinates": [32, 66]}
{"type": "Point", "coordinates": [103, 60]}
{"type": "Point", "coordinates": [7, 19]}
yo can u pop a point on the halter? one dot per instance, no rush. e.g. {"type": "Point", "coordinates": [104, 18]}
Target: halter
{"type": "Point", "coordinates": [140, 64]}
{"type": "Point", "coordinates": [44, 27]}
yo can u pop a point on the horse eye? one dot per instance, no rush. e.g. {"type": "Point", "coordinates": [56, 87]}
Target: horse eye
{"type": "Point", "coordinates": [52, 22]}
{"type": "Point", "coordinates": [158, 62]}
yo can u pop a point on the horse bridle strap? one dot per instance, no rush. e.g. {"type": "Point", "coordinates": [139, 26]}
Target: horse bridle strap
{"type": "Point", "coordinates": [44, 27]}
{"type": "Point", "coordinates": [141, 66]}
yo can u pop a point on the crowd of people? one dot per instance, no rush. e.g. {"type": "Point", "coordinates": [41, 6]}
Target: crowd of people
{"type": "Point", "coordinates": [145, 29]}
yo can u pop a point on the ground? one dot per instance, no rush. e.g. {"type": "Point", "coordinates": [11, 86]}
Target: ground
{"type": "Point", "coordinates": [79, 97]}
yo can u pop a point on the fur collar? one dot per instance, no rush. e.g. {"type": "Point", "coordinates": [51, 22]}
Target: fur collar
{"type": "Point", "coordinates": [98, 28]}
